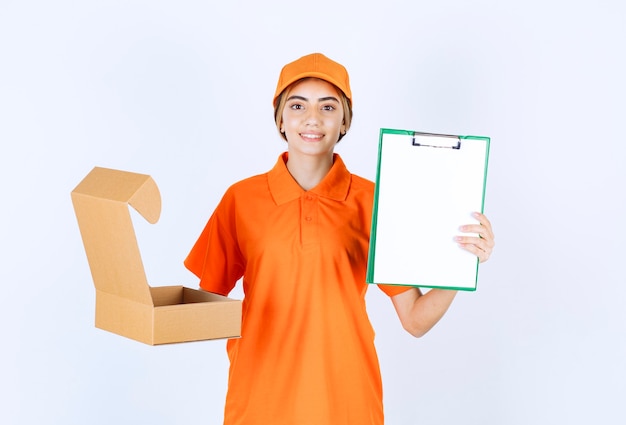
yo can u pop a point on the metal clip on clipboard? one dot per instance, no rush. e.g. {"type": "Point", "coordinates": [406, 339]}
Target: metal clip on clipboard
{"type": "Point", "coordinates": [432, 140]}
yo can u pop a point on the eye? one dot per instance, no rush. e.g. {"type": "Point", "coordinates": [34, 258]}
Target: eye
{"type": "Point", "coordinates": [328, 108]}
{"type": "Point", "coordinates": [296, 106]}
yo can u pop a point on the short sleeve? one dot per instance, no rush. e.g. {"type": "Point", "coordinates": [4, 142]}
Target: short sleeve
{"type": "Point", "coordinates": [392, 290]}
{"type": "Point", "coordinates": [215, 257]}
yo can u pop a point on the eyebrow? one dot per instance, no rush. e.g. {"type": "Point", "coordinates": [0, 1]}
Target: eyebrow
{"type": "Point", "coordinates": [321, 99]}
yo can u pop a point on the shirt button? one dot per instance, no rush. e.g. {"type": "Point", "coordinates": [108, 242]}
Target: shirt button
{"type": "Point", "coordinates": [308, 218]}
{"type": "Point", "coordinates": [308, 197]}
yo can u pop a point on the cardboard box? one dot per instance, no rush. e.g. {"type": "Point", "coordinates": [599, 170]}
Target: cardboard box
{"type": "Point", "coordinates": [125, 303]}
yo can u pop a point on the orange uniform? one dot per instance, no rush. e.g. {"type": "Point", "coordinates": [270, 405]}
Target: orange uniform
{"type": "Point", "coordinates": [306, 355]}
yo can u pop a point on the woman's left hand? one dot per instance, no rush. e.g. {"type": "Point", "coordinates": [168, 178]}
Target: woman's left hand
{"type": "Point", "coordinates": [481, 245]}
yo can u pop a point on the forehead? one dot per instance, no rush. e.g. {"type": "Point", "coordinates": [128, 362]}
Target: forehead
{"type": "Point", "coordinates": [320, 88]}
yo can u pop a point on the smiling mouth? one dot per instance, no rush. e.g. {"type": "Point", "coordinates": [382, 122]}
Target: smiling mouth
{"type": "Point", "coordinates": [311, 137]}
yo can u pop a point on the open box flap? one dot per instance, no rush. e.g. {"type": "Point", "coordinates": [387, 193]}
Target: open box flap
{"type": "Point", "coordinates": [101, 202]}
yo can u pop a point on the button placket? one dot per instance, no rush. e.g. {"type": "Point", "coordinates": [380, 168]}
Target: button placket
{"type": "Point", "coordinates": [309, 218]}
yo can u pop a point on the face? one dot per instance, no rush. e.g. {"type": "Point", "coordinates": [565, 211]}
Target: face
{"type": "Point", "coordinates": [312, 118]}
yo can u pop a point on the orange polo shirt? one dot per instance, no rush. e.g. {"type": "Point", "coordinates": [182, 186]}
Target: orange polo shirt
{"type": "Point", "coordinates": [306, 355]}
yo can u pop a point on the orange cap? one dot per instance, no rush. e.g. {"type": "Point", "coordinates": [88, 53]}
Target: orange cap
{"type": "Point", "coordinates": [318, 66]}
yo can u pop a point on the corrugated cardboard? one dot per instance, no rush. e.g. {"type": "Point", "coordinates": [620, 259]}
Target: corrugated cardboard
{"type": "Point", "coordinates": [125, 303]}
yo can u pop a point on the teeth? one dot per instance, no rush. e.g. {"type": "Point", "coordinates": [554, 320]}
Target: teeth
{"type": "Point", "coordinates": [311, 136]}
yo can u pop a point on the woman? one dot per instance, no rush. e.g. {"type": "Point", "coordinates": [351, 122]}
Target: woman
{"type": "Point", "coordinates": [299, 235]}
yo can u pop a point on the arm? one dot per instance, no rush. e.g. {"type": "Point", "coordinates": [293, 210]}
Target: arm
{"type": "Point", "coordinates": [418, 313]}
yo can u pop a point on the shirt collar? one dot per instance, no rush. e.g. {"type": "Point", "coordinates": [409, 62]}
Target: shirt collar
{"type": "Point", "coordinates": [284, 188]}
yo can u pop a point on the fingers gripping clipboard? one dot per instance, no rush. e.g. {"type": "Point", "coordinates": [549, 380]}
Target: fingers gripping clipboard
{"type": "Point", "coordinates": [427, 185]}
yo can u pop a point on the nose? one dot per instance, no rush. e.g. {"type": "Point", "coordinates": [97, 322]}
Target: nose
{"type": "Point", "coordinates": [312, 117]}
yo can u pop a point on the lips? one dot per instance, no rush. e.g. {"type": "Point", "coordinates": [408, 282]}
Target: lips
{"type": "Point", "coordinates": [311, 137]}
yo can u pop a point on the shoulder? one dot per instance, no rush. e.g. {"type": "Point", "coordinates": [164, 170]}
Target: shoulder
{"type": "Point", "coordinates": [249, 183]}
{"type": "Point", "coordinates": [361, 191]}
{"type": "Point", "coordinates": [245, 189]}
{"type": "Point", "coordinates": [361, 184]}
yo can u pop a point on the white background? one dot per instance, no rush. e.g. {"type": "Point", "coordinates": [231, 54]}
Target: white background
{"type": "Point", "coordinates": [181, 90]}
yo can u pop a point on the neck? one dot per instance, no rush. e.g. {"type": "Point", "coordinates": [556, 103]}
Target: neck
{"type": "Point", "coordinates": [309, 170]}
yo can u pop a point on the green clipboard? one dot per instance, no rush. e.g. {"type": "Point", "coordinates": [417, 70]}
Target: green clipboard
{"type": "Point", "coordinates": [427, 185]}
